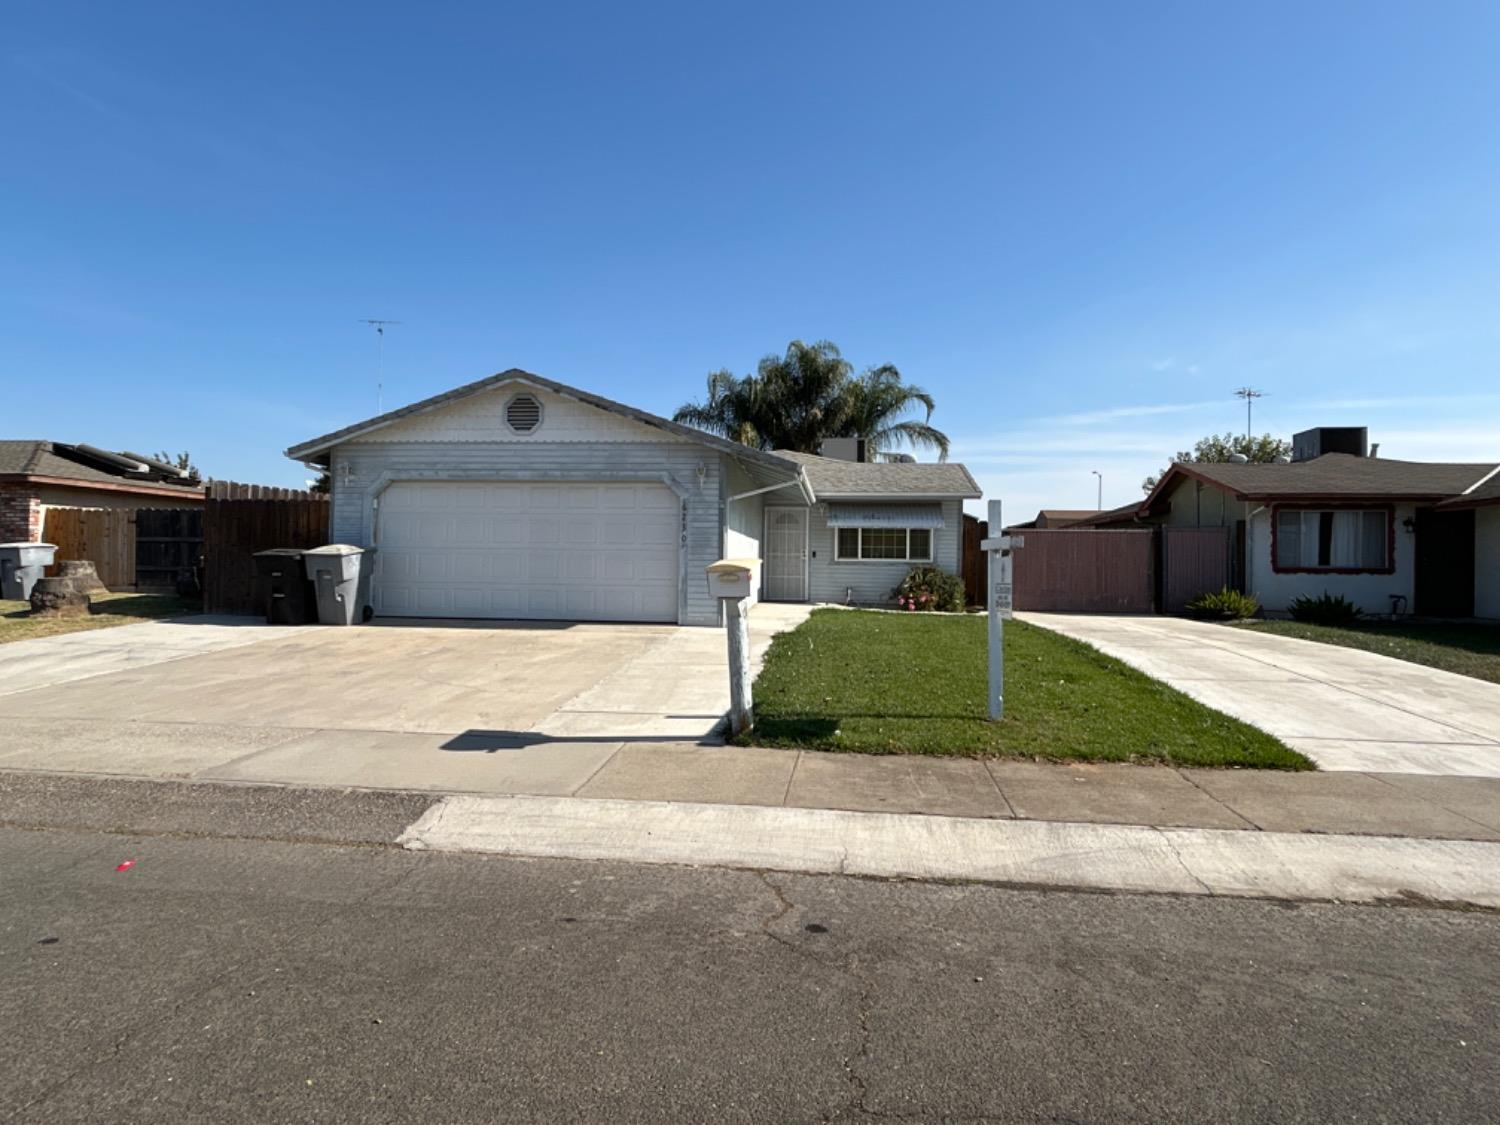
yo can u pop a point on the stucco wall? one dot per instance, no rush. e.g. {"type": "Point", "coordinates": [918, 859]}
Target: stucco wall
{"type": "Point", "coordinates": [481, 418]}
{"type": "Point", "coordinates": [1195, 504]}
{"type": "Point", "coordinates": [1487, 562]}
{"type": "Point", "coordinates": [1371, 592]}
{"type": "Point", "coordinates": [359, 468]}
{"type": "Point", "coordinates": [871, 582]}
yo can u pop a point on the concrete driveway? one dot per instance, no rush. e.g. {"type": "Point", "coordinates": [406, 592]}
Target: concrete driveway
{"type": "Point", "coordinates": [441, 705]}
{"type": "Point", "coordinates": [1345, 709]}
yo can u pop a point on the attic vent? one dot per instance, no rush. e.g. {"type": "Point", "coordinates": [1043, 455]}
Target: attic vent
{"type": "Point", "coordinates": [523, 413]}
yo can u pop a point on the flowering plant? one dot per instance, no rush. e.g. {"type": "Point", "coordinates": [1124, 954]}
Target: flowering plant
{"type": "Point", "coordinates": [926, 588]}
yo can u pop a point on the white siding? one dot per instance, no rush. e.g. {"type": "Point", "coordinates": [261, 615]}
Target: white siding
{"type": "Point", "coordinates": [481, 417]}
{"type": "Point", "coordinates": [871, 582]}
{"type": "Point", "coordinates": [1487, 562]}
{"type": "Point", "coordinates": [358, 468]}
{"type": "Point", "coordinates": [1371, 592]}
{"type": "Point", "coordinates": [744, 520]}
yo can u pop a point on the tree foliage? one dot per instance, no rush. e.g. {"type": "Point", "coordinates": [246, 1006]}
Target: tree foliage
{"type": "Point", "coordinates": [798, 400]}
{"type": "Point", "coordinates": [183, 461]}
{"type": "Point", "coordinates": [1221, 447]}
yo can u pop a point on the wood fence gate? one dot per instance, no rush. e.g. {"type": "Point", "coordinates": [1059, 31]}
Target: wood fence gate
{"type": "Point", "coordinates": [1195, 560]}
{"type": "Point", "coordinates": [238, 521]}
{"type": "Point", "coordinates": [1085, 571]}
{"type": "Point", "coordinates": [974, 563]}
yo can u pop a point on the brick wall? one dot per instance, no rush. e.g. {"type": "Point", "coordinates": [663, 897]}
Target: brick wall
{"type": "Point", "coordinates": [20, 514]}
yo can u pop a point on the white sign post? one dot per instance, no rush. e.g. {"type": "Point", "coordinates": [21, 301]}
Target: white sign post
{"type": "Point", "coordinates": [999, 603]}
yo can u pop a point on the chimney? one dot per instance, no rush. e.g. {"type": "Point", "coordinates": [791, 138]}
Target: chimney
{"type": "Point", "coordinates": [1354, 440]}
{"type": "Point", "coordinates": [843, 449]}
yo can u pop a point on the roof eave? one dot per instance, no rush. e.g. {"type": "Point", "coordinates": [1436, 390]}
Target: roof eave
{"type": "Point", "coordinates": [897, 497]}
{"type": "Point", "coordinates": [321, 445]}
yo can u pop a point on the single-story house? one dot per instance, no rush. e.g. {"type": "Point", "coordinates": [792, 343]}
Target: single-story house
{"type": "Point", "coordinates": [38, 475]}
{"type": "Point", "coordinates": [1391, 536]}
{"type": "Point", "coordinates": [520, 497]}
{"type": "Point", "coordinates": [1052, 518]}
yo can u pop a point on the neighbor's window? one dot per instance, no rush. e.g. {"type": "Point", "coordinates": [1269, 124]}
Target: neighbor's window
{"type": "Point", "coordinates": [900, 544]}
{"type": "Point", "coordinates": [1342, 539]}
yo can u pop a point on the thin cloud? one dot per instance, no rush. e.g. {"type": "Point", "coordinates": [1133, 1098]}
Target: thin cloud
{"type": "Point", "coordinates": [1114, 413]}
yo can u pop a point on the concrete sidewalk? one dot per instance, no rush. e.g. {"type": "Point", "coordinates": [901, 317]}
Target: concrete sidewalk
{"type": "Point", "coordinates": [1344, 708]}
{"type": "Point", "coordinates": [1001, 789]}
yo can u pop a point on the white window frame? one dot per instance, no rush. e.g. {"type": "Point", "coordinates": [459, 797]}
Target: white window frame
{"type": "Point", "coordinates": [907, 557]}
{"type": "Point", "coordinates": [1308, 519]}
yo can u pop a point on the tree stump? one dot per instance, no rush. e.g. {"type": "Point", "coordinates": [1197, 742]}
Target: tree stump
{"type": "Point", "coordinates": [59, 597]}
{"type": "Point", "coordinates": [83, 573]}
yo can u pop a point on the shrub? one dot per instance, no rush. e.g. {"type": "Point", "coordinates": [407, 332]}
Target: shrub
{"type": "Point", "coordinates": [1325, 610]}
{"type": "Point", "coordinates": [928, 588]}
{"type": "Point", "coordinates": [1224, 605]}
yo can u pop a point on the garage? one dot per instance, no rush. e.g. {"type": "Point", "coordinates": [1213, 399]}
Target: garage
{"type": "Point", "coordinates": [580, 551]}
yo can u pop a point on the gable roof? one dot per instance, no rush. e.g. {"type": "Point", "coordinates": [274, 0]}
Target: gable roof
{"type": "Point", "coordinates": [833, 479]}
{"type": "Point", "coordinates": [1481, 495]}
{"type": "Point", "coordinates": [314, 447]}
{"type": "Point", "coordinates": [60, 463]}
{"type": "Point", "coordinates": [1332, 476]}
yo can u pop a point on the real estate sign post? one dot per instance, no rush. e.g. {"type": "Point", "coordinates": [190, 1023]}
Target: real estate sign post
{"type": "Point", "coordinates": [999, 603]}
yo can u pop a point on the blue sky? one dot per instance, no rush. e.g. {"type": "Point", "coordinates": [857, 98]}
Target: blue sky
{"type": "Point", "coordinates": [1081, 226]}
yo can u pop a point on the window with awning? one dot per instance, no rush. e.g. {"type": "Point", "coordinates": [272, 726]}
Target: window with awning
{"type": "Point", "coordinates": [884, 532]}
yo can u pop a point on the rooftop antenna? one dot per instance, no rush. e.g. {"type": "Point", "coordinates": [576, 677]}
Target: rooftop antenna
{"type": "Point", "coordinates": [379, 326]}
{"type": "Point", "coordinates": [1249, 394]}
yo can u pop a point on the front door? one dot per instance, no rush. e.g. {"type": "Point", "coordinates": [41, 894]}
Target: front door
{"type": "Point", "coordinates": [1445, 563]}
{"type": "Point", "coordinates": [786, 554]}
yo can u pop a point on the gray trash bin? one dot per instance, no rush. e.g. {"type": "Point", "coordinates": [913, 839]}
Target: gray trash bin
{"type": "Point", "coordinates": [340, 575]}
{"type": "Point", "coordinates": [21, 564]}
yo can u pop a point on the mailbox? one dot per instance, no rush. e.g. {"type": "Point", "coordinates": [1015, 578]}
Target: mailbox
{"type": "Point", "coordinates": [734, 578]}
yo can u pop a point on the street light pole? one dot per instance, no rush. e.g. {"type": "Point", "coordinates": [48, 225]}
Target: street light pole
{"type": "Point", "coordinates": [1099, 507]}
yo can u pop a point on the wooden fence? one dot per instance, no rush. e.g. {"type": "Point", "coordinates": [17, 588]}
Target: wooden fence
{"type": "Point", "coordinates": [131, 548]}
{"type": "Point", "coordinates": [168, 546]}
{"type": "Point", "coordinates": [103, 536]}
{"type": "Point", "coordinates": [974, 564]}
{"type": "Point", "coordinates": [238, 521]}
{"type": "Point", "coordinates": [1195, 560]}
{"type": "Point", "coordinates": [1086, 571]}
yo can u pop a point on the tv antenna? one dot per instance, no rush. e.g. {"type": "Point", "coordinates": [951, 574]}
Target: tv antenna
{"type": "Point", "coordinates": [379, 326]}
{"type": "Point", "coordinates": [1249, 394]}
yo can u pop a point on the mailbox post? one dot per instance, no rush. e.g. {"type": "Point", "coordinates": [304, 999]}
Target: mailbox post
{"type": "Point", "coordinates": [732, 581]}
{"type": "Point", "coordinates": [999, 603]}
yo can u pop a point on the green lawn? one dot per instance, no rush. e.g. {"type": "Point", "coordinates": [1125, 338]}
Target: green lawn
{"type": "Point", "coordinates": [886, 683]}
{"type": "Point", "coordinates": [17, 624]}
{"type": "Point", "coordinates": [1469, 650]}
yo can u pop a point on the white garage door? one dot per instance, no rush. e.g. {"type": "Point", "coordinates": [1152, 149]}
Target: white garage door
{"type": "Point", "coordinates": [582, 552]}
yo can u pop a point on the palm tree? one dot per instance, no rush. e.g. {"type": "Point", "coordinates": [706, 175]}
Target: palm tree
{"type": "Point", "coordinates": [877, 400]}
{"type": "Point", "coordinates": [798, 400]}
{"type": "Point", "coordinates": [734, 409]}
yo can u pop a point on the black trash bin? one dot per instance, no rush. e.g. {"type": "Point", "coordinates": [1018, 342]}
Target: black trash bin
{"type": "Point", "coordinates": [282, 589]}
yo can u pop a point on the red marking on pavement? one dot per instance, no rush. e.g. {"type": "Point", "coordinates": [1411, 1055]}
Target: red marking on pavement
{"type": "Point", "coordinates": [126, 866]}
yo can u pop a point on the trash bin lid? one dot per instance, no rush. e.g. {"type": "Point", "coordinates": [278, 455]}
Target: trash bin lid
{"type": "Point", "coordinates": [337, 549]}
{"type": "Point", "coordinates": [52, 546]}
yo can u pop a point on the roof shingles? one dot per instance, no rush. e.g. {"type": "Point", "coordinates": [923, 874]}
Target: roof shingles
{"type": "Point", "coordinates": [1340, 474]}
{"type": "Point", "coordinates": [832, 478]}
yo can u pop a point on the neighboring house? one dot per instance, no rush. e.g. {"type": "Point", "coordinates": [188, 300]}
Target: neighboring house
{"type": "Point", "coordinates": [1421, 537]}
{"type": "Point", "coordinates": [1052, 518]}
{"type": "Point", "coordinates": [519, 497]}
{"type": "Point", "coordinates": [38, 475]}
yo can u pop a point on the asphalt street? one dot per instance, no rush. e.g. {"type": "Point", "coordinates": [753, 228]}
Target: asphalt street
{"type": "Point", "coordinates": [268, 958]}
